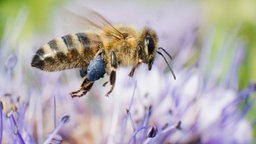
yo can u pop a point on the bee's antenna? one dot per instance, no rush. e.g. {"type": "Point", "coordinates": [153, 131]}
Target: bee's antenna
{"type": "Point", "coordinates": [167, 64]}
{"type": "Point", "coordinates": [165, 52]}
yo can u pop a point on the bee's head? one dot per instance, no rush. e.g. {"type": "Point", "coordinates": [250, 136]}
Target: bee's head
{"type": "Point", "coordinates": [148, 46]}
{"type": "Point", "coordinates": [147, 49]}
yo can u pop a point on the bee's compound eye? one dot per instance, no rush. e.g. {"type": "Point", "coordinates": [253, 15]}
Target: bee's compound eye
{"type": "Point", "coordinates": [151, 44]}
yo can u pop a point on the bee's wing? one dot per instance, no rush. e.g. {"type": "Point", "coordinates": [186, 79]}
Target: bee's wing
{"type": "Point", "coordinates": [92, 20]}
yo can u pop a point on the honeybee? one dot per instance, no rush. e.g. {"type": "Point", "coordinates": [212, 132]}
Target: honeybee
{"type": "Point", "coordinates": [99, 52]}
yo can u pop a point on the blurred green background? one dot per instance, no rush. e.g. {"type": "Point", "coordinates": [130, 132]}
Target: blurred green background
{"type": "Point", "coordinates": [39, 13]}
{"type": "Point", "coordinates": [225, 16]}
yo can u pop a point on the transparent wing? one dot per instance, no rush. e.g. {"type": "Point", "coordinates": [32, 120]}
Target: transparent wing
{"type": "Point", "coordinates": [90, 19]}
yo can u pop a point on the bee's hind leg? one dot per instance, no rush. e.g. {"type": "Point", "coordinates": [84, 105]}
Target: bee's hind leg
{"type": "Point", "coordinates": [112, 77]}
{"type": "Point", "coordinates": [84, 88]}
{"type": "Point", "coordinates": [94, 71]}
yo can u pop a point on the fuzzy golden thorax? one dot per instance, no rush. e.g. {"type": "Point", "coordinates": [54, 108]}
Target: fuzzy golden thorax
{"type": "Point", "coordinates": [133, 47]}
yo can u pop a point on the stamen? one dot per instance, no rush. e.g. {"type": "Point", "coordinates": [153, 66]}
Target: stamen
{"type": "Point", "coordinates": [1, 121]}
{"type": "Point", "coordinates": [130, 117]}
{"type": "Point", "coordinates": [179, 125]}
{"type": "Point", "coordinates": [54, 111]}
{"type": "Point", "coordinates": [167, 64]}
{"type": "Point", "coordinates": [16, 130]}
{"type": "Point", "coordinates": [57, 139]}
{"type": "Point", "coordinates": [147, 115]}
{"type": "Point", "coordinates": [11, 62]}
{"type": "Point", "coordinates": [133, 94]}
{"type": "Point", "coordinates": [152, 132]}
{"type": "Point", "coordinates": [127, 117]}
{"type": "Point", "coordinates": [63, 120]}
{"type": "Point", "coordinates": [135, 134]}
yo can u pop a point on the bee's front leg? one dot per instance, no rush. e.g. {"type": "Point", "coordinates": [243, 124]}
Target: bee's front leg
{"type": "Point", "coordinates": [84, 88]}
{"type": "Point", "coordinates": [112, 77]}
{"type": "Point", "coordinates": [134, 67]}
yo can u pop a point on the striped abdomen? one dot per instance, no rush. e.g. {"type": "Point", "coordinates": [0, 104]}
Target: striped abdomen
{"type": "Point", "coordinates": [70, 51]}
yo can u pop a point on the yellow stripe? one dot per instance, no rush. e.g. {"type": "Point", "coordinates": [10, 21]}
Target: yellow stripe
{"type": "Point", "coordinates": [47, 51]}
{"type": "Point", "coordinates": [61, 45]}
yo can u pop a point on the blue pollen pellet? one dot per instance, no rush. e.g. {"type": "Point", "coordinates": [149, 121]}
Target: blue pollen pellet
{"type": "Point", "coordinates": [83, 72]}
{"type": "Point", "coordinates": [96, 69]}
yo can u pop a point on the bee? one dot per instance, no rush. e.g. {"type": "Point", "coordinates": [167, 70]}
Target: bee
{"type": "Point", "coordinates": [99, 52]}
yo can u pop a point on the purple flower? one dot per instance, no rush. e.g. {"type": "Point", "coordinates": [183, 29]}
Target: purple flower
{"type": "Point", "coordinates": [15, 127]}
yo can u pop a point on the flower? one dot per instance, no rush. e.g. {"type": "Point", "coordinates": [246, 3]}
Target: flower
{"type": "Point", "coordinates": [14, 125]}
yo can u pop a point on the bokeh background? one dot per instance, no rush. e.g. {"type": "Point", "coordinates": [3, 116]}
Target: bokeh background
{"type": "Point", "coordinates": [215, 39]}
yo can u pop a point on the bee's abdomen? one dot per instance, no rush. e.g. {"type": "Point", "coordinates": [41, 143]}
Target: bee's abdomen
{"type": "Point", "coordinates": [70, 51]}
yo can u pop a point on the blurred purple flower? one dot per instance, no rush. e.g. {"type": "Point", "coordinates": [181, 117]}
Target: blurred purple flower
{"type": "Point", "coordinates": [15, 128]}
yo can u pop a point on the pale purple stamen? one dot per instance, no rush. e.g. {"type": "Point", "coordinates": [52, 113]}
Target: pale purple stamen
{"type": "Point", "coordinates": [54, 112]}
{"type": "Point", "coordinates": [123, 126]}
{"type": "Point", "coordinates": [16, 130]}
{"type": "Point", "coordinates": [1, 121]}
{"type": "Point", "coordinates": [9, 65]}
{"type": "Point", "coordinates": [133, 93]}
{"type": "Point", "coordinates": [11, 62]}
{"type": "Point", "coordinates": [145, 122]}
{"type": "Point", "coordinates": [128, 116]}
{"type": "Point", "coordinates": [57, 139]}
{"type": "Point", "coordinates": [136, 132]}
{"type": "Point", "coordinates": [147, 115]}
{"type": "Point", "coordinates": [63, 120]}
{"type": "Point", "coordinates": [164, 134]}
{"type": "Point", "coordinates": [132, 122]}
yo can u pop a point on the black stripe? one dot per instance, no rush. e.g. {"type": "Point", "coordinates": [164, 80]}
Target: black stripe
{"type": "Point", "coordinates": [63, 58]}
{"type": "Point", "coordinates": [37, 62]}
{"type": "Point", "coordinates": [53, 45]}
{"type": "Point", "coordinates": [64, 38]}
{"type": "Point", "coordinates": [68, 41]}
{"type": "Point", "coordinates": [40, 52]}
{"type": "Point", "coordinates": [83, 39]}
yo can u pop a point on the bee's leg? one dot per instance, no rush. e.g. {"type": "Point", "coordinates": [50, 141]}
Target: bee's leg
{"type": "Point", "coordinates": [112, 77]}
{"type": "Point", "coordinates": [84, 88]}
{"type": "Point", "coordinates": [134, 67]}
